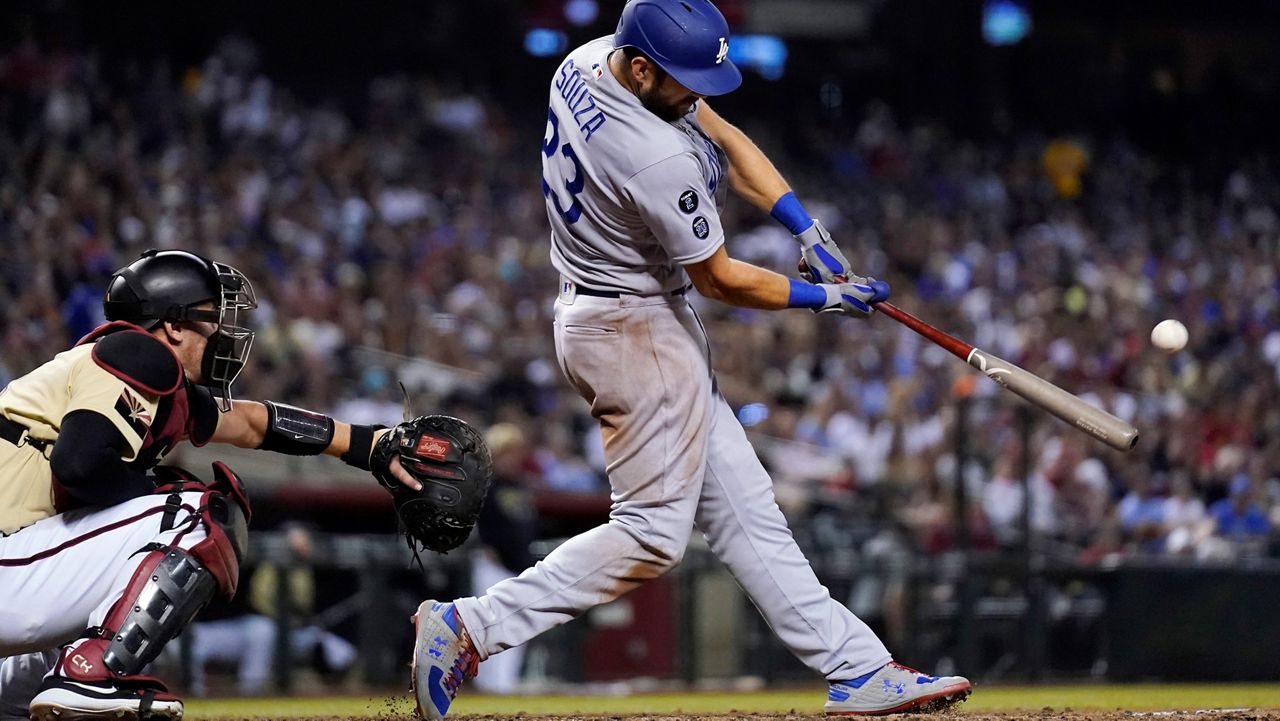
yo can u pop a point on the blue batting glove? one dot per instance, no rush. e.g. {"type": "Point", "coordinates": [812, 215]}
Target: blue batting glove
{"type": "Point", "coordinates": [854, 298]}
{"type": "Point", "coordinates": [821, 260]}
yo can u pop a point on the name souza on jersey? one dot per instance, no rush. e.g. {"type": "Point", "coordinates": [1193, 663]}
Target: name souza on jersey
{"type": "Point", "coordinates": [573, 88]}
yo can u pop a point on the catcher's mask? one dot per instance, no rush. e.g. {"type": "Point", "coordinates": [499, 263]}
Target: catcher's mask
{"type": "Point", "coordinates": [167, 285]}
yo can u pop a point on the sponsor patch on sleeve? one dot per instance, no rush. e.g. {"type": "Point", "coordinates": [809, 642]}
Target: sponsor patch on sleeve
{"type": "Point", "coordinates": [133, 412]}
{"type": "Point", "coordinates": [701, 227]}
{"type": "Point", "coordinates": [688, 201]}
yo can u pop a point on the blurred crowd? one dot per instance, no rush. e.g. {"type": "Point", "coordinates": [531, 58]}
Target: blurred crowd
{"type": "Point", "coordinates": [408, 227]}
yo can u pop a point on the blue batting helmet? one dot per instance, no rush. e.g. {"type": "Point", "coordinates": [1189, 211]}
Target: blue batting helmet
{"type": "Point", "coordinates": [687, 38]}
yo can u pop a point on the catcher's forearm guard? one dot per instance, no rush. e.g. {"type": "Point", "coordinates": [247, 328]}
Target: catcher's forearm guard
{"type": "Point", "coordinates": [451, 461]}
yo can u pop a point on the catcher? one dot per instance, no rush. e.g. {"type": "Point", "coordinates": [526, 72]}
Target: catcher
{"type": "Point", "coordinates": [105, 556]}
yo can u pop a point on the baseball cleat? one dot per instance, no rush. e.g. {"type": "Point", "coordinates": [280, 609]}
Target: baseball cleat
{"type": "Point", "coordinates": [135, 699]}
{"type": "Point", "coordinates": [894, 688]}
{"type": "Point", "coordinates": [443, 657]}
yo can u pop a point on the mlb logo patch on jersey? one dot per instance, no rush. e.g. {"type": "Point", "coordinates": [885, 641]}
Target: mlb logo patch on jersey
{"type": "Point", "coordinates": [432, 447]}
{"type": "Point", "coordinates": [701, 227]}
{"type": "Point", "coordinates": [688, 202]}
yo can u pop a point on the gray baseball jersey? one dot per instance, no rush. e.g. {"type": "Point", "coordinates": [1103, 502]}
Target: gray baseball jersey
{"type": "Point", "coordinates": [630, 196]}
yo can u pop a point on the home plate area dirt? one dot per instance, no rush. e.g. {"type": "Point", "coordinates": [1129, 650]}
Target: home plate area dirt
{"type": "Point", "coordinates": [1041, 715]}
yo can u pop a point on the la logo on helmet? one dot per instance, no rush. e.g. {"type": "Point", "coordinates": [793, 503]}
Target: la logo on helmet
{"type": "Point", "coordinates": [723, 52]}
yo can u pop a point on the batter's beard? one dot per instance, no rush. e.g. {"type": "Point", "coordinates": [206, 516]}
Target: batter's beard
{"type": "Point", "coordinates": [668, 112]}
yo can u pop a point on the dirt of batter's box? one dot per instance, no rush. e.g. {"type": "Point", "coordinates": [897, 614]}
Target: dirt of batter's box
{"type": "Point", "coordinates": [1041, 715]}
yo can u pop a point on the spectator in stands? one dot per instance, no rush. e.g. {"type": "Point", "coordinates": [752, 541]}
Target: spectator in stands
{"type": "Point", "coordinates": [1238, 517]}
{"type": "Point", "coordinates": [1003, 498]}
{"type": "Point", "coordinates": [279, 594]}
{"type": "Point", "coordinates": [563, 469]}
{"type": "Point", "coordinates": [1184, 515]}
{"type": "Point", "coordinates": [1059, 257]}
{"type": "Point", "coordinates": [1142, 513]}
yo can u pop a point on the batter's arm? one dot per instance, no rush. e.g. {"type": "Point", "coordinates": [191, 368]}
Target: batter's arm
{"type": "Point", "coordinates": [737, 283]}
{"type": "Point", "coordinates": [751, 174]}
{"type": "Point", "coordinates": [755, 178]}
{"type": "Point", "coordinates": [749, 286]}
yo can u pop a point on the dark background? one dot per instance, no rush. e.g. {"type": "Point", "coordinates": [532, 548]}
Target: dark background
{"type": "Point", "coordinates": [1196, 80]}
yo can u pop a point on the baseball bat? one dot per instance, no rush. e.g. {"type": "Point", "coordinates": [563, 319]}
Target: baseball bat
{"type": "Point", "coordinates": [1038, 391]}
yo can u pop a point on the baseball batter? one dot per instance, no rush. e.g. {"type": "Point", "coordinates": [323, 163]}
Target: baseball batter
{"type": "Point", "coordinates": [104, 557]}
{"type": "Point", "coordinates": [635, 171]}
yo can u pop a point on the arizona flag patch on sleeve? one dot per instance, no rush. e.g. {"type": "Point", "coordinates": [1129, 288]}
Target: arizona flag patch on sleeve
{"type": "Point", "coordinates": [133, 412]}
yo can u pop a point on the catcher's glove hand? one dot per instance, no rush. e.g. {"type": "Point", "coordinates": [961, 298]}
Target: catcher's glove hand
{"type": "Point", "coordinates": [451, 461]}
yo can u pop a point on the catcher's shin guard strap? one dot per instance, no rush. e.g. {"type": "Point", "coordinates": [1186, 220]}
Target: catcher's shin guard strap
{"type": "Point", "coordinates": [165, 593]}
{"type": "Point", "coordinates": [295, 431]}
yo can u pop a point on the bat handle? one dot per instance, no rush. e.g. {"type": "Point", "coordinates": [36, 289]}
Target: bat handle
{"type": "Point", "coordinates": [950, 343]}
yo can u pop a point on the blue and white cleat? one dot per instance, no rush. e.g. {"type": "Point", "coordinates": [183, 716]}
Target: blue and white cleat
{"type": "Point", "coordinates": [894, 688]}
{"type": "Point", "coordinates": [443, 657]}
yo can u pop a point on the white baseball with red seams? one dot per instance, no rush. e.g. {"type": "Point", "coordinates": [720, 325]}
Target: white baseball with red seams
{"type": "Point", "coordinates": [1169, 335]}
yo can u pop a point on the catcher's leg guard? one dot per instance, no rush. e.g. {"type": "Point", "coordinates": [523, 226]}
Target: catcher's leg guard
{"type": "Point", "coordinates": [166, 592]}
{"type": "Point", "coordinates": [99, 677]}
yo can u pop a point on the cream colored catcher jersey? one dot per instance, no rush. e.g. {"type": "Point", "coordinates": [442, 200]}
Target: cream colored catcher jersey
{"type": "Point", "coordinates": [119, 372]}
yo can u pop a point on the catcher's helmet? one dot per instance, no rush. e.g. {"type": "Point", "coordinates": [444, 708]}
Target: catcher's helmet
{"type": "Point", "coordinates": [687, 38]}
{"type": "Point", "coordinates": [168, 285]}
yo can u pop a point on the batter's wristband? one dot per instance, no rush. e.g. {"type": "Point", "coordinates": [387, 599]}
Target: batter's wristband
{"type": "Point", "coordinates": [806, 295]}
{"type": "Point", "coordinates": [789, 211]}
{"type": "Point", "coordinates": [361, 446]}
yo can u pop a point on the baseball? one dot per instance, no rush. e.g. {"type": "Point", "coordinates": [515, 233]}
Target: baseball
{"type": "Point", "coordinates": [1169, 335]}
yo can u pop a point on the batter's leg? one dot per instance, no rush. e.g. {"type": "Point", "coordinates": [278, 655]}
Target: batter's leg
{"type": "Point", "coordinates": [644, 371]}
{"type": "Point", "coordinates": [499, 674]}
{"type": "Point", "coordinates": [642, 365]}
{"type": "Point", "coordinates": [747, 531]}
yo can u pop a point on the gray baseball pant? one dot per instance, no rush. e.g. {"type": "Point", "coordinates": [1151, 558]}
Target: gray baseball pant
{"type": "Point", "coordinates": [676, 457]}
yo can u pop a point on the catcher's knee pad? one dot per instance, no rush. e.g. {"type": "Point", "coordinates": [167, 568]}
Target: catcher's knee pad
{"type": "Point", "coordinates": [224, 511]}
{"type": "Point", "coordinates": [225, 542]}
{"type": "Point", "coordinates": [168, 589]}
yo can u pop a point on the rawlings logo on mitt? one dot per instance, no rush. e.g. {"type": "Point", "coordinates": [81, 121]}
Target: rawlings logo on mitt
{"type": "Point", "coordinates": [432, 447]}
{"type": "Point", "coordinates": [452, 462]}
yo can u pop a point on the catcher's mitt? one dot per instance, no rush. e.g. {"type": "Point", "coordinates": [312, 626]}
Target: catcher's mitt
{"type": "Point", "coordinates": [452, 462]}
